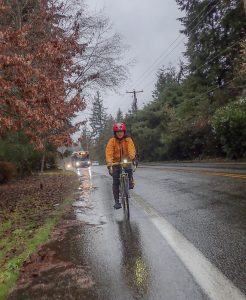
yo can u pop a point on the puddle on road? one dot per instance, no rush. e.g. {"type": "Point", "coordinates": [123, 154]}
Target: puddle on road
{"type": "Point", "coordinates": [57, 268]}
{"type": "Point", "coordinates": [83, 206]}
{"type": "Point", "coordinates": [90, 219]}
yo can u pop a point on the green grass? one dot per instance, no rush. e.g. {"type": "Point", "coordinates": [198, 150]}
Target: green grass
{"type": "Point", "coordinates": [9, 273]}
{"type": "Point", "coordinates": [57, 172]}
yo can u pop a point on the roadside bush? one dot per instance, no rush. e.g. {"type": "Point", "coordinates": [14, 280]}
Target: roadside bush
{"type": "Point", "coordinates": [15, 148]}
{"type": "Point", "coordinates": [7, 171]}
{"type": "Point", "coordinates": [229, 124]}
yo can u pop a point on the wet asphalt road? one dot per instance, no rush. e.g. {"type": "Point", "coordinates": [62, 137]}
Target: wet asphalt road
{"type": "Point", "coordinates": [207, 205]}
{"type": "Point", "coordinates": [185, 219]}
{"type": "Point", "coordinates": [130, 260]}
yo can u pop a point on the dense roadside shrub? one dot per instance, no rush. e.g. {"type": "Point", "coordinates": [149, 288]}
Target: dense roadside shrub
{"type": "Point", "coordinates": [15, 148]}
{"type": "Point", "coordinates": [229, 124]}
{"type": "Point", "coordinates": [7, 171]}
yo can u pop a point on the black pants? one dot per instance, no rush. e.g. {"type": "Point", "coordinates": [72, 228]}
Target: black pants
{"type": "Point", "coordinates": [116, 180]}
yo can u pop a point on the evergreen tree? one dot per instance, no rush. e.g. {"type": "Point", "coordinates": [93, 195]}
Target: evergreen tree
{"type": "Point", "coordinates": [166, 78]}
{"type": "Point", "coordinates": [101, 125]}
{"type": "Point", "coordinates": [214, 30]}
{"type": "Point", "coordinates": [119, 116]}
{"type": "Point", "coordinates": [97, 149]}
{"type": "Point", "coordinates": [98, 117]}
{"type": "Point", "coordinates": [85, 138]}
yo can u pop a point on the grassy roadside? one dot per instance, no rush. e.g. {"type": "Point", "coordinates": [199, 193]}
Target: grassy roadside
{"type": "Point", "coordinates": [29, 225]}
{"type": "Point", "coordinates": [202, 161]}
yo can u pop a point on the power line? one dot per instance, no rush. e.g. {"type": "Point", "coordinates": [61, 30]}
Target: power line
{"type": "Point", "coordinates": [156, 60]}
{"type": "Point", "coordinates": [143, 76]}
{"type": "Point", "coordinates": [213, 58]}
{"type": "Point", "coordinates": [153, 69]}
{"type": "Point", "coordinates": [171, 44]}
{"type": "Point", "coordinates": [216, 88]}
{"type": "Point", "coordinates": [209, 61]}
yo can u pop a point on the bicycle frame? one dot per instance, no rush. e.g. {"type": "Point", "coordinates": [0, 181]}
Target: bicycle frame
{"type": "Point", "coordinates": [124, 183]}
{"type": "Point", "coordinates": [124, 186]}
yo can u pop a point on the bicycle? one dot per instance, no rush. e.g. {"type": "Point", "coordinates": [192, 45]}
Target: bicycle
{"type": "Point", "coordinates": [124, 185]}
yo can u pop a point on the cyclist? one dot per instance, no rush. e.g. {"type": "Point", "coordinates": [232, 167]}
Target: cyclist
{"type": "Point", "coordinates": [119, 148]}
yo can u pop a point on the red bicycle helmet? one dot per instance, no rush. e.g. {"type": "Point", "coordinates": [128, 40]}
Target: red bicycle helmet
{"type": "Point", "coordinates": [119, 127]}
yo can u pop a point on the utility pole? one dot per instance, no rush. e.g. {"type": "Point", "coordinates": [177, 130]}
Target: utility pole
{"type": "Point", "coordinates": [244, 1]}
{"type": "Point", "coordinates": [135, 100]}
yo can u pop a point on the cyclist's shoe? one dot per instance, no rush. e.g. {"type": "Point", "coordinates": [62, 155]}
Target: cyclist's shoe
{"type": "Point", "coordinates": [117, 205]}
{"type": "Point", "coordinates": [131, 184]}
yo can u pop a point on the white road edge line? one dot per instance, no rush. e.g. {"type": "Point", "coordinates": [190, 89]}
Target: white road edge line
{"type": "Point", "coordinates": [215, 284]}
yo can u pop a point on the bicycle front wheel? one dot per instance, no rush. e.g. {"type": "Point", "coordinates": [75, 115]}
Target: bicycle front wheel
{"type": "Point", "coordinates": [126, 197]}
{"type": "Point", "coordinates": [122, 193]}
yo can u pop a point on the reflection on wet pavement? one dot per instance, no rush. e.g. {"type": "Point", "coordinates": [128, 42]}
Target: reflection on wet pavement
{"type": "Point", "coordinates": [134, 265]}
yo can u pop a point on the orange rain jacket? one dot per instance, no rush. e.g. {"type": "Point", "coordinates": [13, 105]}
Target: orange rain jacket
{"type": "Point", "coordinates": [116, 150]}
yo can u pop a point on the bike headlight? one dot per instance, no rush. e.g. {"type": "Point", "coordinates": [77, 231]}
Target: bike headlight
{"type": "Point", "coordinates": [125, 161]}
{"type": "Point", "coordinates": [68, 166]}
{"type": "Point", "coordinates": [77, 163]}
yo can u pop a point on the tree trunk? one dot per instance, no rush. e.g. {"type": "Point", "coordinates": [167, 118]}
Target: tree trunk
{"type": "Point", "coordinates": [42, 163]}
{"type": "Point", "coordinates": [63, 163]}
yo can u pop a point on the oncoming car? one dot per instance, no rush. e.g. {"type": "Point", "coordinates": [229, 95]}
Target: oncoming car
{"type": "Point", "coordinates": [81, 159]}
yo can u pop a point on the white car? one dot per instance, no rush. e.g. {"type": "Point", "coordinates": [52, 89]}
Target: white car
{"type": "Point", "coordinates": [95, 163]}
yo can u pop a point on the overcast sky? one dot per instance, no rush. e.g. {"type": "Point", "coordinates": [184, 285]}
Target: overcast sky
{"type": "Point", "coordinates": [148, 28]}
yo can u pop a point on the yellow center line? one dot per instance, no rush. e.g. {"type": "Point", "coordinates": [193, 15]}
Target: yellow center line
{"type": "Point", "coordinates": [233, 175]}
{"type": "Point", "coordinates": [223, 174]}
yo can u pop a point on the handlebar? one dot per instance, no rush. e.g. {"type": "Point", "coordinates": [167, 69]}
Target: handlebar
{"type": "Point", "coordinates": [127, 163]}
{"type": "Point", "coordinates": [120, 164]}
